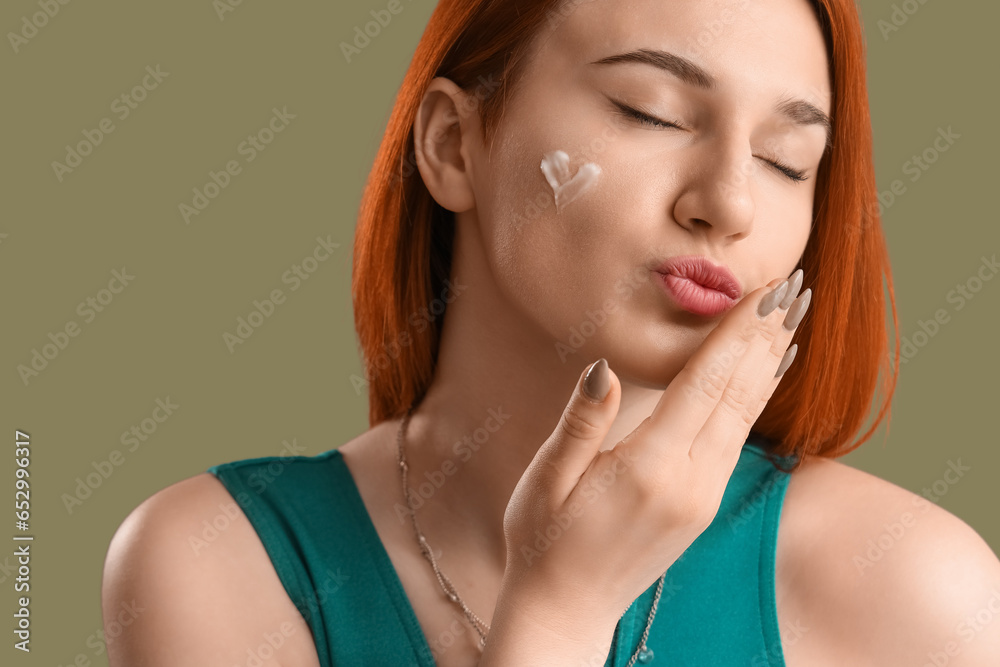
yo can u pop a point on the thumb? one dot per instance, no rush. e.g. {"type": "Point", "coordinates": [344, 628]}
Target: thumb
{"type": "Point", "coordinates": [583, 426]}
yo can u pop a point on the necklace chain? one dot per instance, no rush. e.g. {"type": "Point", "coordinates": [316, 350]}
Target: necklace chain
{"type": "Point", "coordinates": [642, 653]}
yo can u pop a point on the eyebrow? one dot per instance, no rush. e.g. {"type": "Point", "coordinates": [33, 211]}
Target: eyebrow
{"type": "Point", "coordinates": [798, 111]}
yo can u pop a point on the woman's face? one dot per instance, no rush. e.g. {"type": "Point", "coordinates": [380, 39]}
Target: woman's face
{"type": "Point", "coordinates": [584, 272]}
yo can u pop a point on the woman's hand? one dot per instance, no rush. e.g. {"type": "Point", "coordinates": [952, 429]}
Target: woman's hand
{"type": "Point", "coordinates": [596, 528]}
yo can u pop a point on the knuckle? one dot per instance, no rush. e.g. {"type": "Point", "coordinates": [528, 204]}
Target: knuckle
{"type": "Point", "coordinates": [651, 485]}
{"type": "Point", "coordinates": [712, 383]}
{"type": "Point", "coordinates": [738, 398]}
{"type": "Point", "coordinates": [577, 423]}
{"type": "Point", "coordinates": [778, 349]}
{"type": "Point", "coordinates": [766, 331]}
{"type": "Point", "coordinates": [747, 417]}
{"type": "Point", "coordinates": [694, 510]}
{"type": "Point", "coordinates": [646, 479]}
{"type": "Point", "coordinates": [749, 332]}
{"type": "Point", "coordinates": [646, 493]}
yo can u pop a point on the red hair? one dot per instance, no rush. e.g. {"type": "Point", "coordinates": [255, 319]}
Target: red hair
{"type": "Point", "coordinates": [403, 242]}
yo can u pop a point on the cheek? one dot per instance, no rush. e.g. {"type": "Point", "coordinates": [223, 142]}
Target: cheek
{"type": "Point", "coordinates": [551, 229]}
{"type": "Point", "coordinates": [798, 222]}
{"type": "Point", "coordinates": [560, 184]}
{"type": "Point", "coordinates": [567, 186]}
{"type": "Point", "coordinates": [543, 201]}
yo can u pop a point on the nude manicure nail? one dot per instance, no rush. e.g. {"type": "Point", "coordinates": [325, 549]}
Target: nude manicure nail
{"type": "Point", "coordinates": [797, 311]}
{"type": "Point", "coordinates": [786, 360]}
{"type": "Point", "coordinates": [597, 382]}
{"type": "Point", "coordinates": [771, 299]}
{"type": "Point", "coordinates": [794, 285]}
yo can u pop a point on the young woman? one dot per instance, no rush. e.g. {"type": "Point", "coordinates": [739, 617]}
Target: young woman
{"type": "Point", "coordinates": [677, 189]}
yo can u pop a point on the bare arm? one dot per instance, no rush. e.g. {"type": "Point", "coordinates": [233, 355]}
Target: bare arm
{"type": "Point", "coordinates": [883, 576]}
{"type": "Point", "coordinates": [170, 599]}
{"type": "Point", "coordinates": [530, 628]}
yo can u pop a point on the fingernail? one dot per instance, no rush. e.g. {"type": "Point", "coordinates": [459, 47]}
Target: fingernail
{"type": "Point", "coordinates": [797, 310]}
{"type": "Point", "coordinates": [794, 285]}
{"type": "Point", "coordinates": [771, 299]}
{"type": "Point", "coordinates": [597, 382]}
{"type": "Point", "coordinates": [786, 360]}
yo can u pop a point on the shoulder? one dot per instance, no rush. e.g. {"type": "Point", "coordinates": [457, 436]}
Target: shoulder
{"type": "Point", "coordinates": [172, 596]}
{"type": "Point", "coordinates": [880, 571]}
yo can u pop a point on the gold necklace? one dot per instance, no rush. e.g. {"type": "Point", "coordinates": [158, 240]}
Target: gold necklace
{"type": "Point", "coordinates": [642, 653]}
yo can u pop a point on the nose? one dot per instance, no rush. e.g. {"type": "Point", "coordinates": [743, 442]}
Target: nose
{"type": "Point", "coordinates": [716, 190]}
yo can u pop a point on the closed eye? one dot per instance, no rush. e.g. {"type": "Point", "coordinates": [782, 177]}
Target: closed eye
{"type": "Point", "coordinates": [643, 119]}
{"type": "Point", "coordinates": [791, 173]}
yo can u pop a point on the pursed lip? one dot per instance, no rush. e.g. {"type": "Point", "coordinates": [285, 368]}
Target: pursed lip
{"type": "Point", "coordinates": [702, 271]}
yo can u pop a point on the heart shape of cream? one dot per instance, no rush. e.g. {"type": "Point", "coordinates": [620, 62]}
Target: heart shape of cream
{"type": "Point", "coordinates": [555, 166]}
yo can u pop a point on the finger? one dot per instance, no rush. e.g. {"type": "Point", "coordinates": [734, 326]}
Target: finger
{"type": "Point", "coordinates": [695, 392]}
{"type": "Point", "coordinates": [790, 354]}
{"type": "Point", "coordinates": [726, 429]}
{"type": "Point", "coordinates": [582, 427]}
{"type": "Point", "coordinates": [793, 318]}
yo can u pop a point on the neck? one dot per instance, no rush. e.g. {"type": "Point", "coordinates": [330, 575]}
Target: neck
{"type": "Point", "coordinates": [499, 389]}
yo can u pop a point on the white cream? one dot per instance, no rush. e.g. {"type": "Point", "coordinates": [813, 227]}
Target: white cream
{"type": "Point", "coordinates": [555, 166]}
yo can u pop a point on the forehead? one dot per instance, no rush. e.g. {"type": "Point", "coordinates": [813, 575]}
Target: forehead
{"type": "Point", "coordinates": [770, 47]}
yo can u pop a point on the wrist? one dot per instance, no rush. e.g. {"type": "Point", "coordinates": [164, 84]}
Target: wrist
{"type": "Point", "coordinates": [532, 625]}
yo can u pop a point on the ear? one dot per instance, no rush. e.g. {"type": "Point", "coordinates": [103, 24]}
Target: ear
{"type": "Point", "coordinates": [442, 134]}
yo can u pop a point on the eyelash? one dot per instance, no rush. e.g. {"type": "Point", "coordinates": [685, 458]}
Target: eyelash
{"type": "Point", "coordinates": [791, 173]}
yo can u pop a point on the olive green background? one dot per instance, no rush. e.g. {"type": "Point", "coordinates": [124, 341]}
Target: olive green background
{"type": "Point", "coordinates": [290, 382]}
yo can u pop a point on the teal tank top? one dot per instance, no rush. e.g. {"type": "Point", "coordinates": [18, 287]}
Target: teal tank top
{"type": "Point", "coordinates": [717, 606]}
